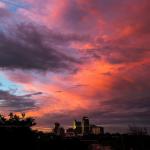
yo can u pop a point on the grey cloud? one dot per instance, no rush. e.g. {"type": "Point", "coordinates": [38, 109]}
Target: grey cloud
{"type": "Point", "coordinates": [33, 94]}
{"type": "Point", "coordinates": [116, 52]}
{"type": "Point", "coordinates": [16, 103]}
{"type": "Point", "coordinates": [33, 47]}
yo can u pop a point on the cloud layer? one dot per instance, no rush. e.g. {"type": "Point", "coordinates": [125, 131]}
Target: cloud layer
{"type": "Point", "coordinates": [87, 57]}
{"type": "Point", "coordinates": [12, 102]}
{"type": "Point", "coordinates": [26, 46]}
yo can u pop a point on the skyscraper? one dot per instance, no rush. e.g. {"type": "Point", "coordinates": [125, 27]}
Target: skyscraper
{"type": "Point", "coordinates": [85, 126]}
{"type": "Point", "coordinates": [77, 127]}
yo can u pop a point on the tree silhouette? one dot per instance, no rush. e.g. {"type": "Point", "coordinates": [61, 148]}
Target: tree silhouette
{"type": "Point", "coordinates": [2, 119]}
{"type": "Point", "coordinates": [30, 121]}
{"type": "Point", "coordinates": [23, 115]}
{"type": "Point", "coordinates": [15, 120]}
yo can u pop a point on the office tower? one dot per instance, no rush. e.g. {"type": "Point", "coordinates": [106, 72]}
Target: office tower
{"type": "Point", "coordinates": [85, 126]}
{"type": "Point", "coordinates": [77, 127]}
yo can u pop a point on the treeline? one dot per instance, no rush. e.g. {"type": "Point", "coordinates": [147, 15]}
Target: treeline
{"type": "Point", "coordinates": [14, 120]}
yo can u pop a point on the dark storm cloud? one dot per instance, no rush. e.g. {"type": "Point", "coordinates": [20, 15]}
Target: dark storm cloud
{"type": "Point", "coordinates": [16, 103]}
{"type": "Point", "coordinates": [33, 47]}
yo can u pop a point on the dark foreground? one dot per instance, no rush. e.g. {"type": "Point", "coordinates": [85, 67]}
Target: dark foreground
{"type": "Point", "coordinates": [24, 138]}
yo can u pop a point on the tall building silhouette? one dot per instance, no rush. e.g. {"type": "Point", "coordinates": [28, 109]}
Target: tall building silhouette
{"type": "Point", "coordinates": [77, 127]}
{"type": "Point", "coordinates": [85, 126]}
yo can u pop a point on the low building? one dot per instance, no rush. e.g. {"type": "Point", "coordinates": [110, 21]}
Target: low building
{"type": "Point", "coordinates": [70, 132]}
{"type": "Point", "coordinates": [96, 130]}
{"type": "Point", "coordinates": [58, 130]}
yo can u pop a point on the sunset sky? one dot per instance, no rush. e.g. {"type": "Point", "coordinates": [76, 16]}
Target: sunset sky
{"type": "Point", "coordinates": [64, 59]}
